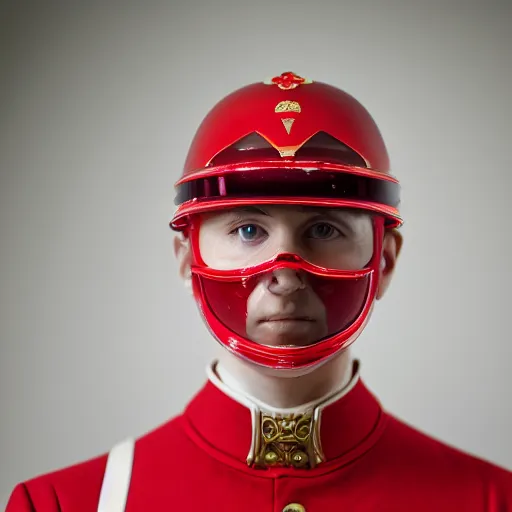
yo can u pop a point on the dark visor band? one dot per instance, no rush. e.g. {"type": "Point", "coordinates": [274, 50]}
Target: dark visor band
{"type": "Point", "coordinates": [291, 183]}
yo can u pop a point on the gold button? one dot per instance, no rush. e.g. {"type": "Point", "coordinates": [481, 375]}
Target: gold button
{"type": "Point", "coordinates": [271, 458]}
{"type": "Point", "coordinates": [294, 507]}
{"type": "Point", "coordinates": [299, 459]}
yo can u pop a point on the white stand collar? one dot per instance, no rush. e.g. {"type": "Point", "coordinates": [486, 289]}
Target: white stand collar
{"type": "Point", "coordinates": [228, 384]}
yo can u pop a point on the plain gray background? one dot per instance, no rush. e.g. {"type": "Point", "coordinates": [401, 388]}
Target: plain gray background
{"type": "Point", "coordinates": [99, 102]}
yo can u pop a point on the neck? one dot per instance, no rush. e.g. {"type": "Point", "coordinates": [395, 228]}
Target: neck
{"type": "Point", "coordinates": [282, 391]}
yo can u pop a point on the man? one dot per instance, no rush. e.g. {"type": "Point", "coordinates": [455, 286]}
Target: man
{"type": "Point", "coordinates": [288, 234]}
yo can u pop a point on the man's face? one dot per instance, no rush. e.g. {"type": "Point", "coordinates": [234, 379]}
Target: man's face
{"type": "Point", "coordinates": [283, 308]}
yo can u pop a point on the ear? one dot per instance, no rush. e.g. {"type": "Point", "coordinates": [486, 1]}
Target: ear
{"type": "Point", "coordinates": [183, 255]}
{"type": "Point", "coordinates": [391, 247]}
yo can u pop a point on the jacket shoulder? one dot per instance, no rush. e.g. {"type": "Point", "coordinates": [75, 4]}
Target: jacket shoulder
{"type": "Point", "coordinates": [418, 443]}
{"type": "Point", "coordinates": [77, 488]}
{"type": "Point", "coordinates": [416, 455]}
{"type": "Point", "coordinates": [74, 488]}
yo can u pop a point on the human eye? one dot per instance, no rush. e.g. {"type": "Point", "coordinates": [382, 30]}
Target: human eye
{"type": "Point", "coordinates": [249, 233]}
{"type": "Point", "coordinates": [323, 231]}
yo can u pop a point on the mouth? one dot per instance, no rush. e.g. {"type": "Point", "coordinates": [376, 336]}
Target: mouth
{"type": "Point", "coordinates": [287, 330]}
{"type": "Point", "coordinates": [286, 318]}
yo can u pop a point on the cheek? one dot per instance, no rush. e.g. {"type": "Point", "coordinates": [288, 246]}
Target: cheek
{"type": "Point", "coordinates": [256, 300]}
{"type": "Point", "coordinates": [345, 255]}
{"type": "Point", "coordinates": [223, 251]}
{"type": "Point", "coordinates": [216, 248]}
{"type": "Point", "coordinates": [364, 253]}
{"type": "Point", "coordinates": [361, 252]}
{"type": "Point", "coordinates": [205, 244]}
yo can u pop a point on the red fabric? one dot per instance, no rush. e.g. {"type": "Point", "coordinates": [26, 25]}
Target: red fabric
{"type": "Point", "coordinates": [196, 462]}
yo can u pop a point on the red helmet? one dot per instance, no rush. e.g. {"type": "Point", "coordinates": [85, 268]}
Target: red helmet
{"type": "Point", "coordinates": [288, 141]}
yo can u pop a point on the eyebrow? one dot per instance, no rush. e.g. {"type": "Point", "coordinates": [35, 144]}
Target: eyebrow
{"type": "Point", "coordinates": [248, 209]}
{"type": "Point", "coordinates": [302, 208]}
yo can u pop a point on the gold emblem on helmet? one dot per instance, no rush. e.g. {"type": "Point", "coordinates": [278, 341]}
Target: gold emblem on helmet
{"type": "Point", "coordinates": [284, 107]}
{"type": "Point", "coordinates": [287, 106]}
{"type": "Point", "coordinates": [288, 122]}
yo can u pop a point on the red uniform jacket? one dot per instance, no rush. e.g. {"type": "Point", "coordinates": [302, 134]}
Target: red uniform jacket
{"type": "Point", "coordinates": [198, 462]}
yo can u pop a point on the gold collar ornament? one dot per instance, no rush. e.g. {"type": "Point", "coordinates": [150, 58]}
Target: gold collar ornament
{"type": "Point", "coordinates": [286, 441]}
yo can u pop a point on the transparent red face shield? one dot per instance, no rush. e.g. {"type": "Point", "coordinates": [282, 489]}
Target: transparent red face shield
{"type": "Point", "coordinates": [285, 295]}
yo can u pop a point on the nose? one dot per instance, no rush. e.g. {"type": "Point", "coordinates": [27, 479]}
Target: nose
{"type": "Point", "coordinates": [285, 281]}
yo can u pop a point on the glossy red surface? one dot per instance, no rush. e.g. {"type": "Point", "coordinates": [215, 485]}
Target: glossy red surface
{"type": "Point", "coordinates": [222, 297]}
{"type": "Point", "coordinates": [323, 108]}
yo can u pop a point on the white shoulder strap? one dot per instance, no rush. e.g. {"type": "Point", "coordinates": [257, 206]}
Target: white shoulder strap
{"type": "Point", "coordinates": [116, 481]}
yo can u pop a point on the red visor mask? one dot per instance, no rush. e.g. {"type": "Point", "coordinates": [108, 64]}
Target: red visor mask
{"type": "Point", "coordinates": [285, 312]}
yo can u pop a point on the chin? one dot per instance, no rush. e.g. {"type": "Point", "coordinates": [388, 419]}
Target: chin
{"type": "Point", "coordinates": [291, 372]}
{"type": "Point", "coordinates": [285, 342]}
